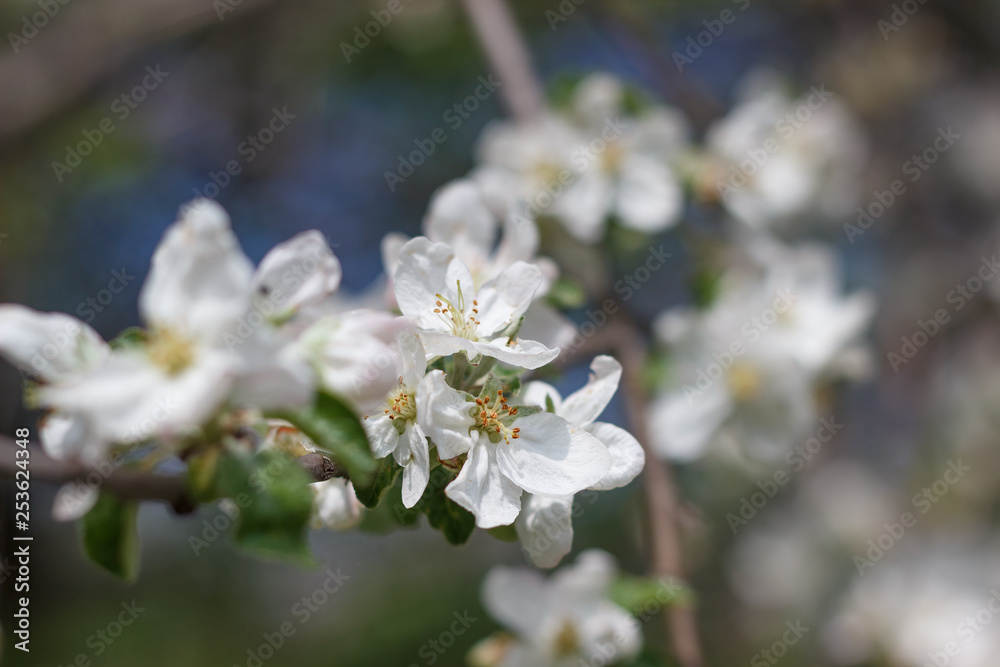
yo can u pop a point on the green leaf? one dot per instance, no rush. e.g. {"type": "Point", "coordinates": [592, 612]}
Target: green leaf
{"type": "Point", "coordinates": [385, 475]}
{"type": "Point", "coordinates": [109, 536]}
{"type": "Point", "coordinates": [704, 285]}
{"type": "Point", "coordinates": [275, 503]}
{"type": "Point", "coordinates": [550, 405]}
{"type": "Point", "coordinates": [443, 513]}
{"type": "Point", "coordinates": [390, 513]}
{"type": "Point", "coordinates": [504, 533]}
{"type": "Point", "coordinates": [337, 430]}
{"type": "Point", "coordinates": [131, 337]}
{"type": "Point", "coordinates": [490, 389]}
{"type": "Point", "coordinates": [566, 294]}
{"type": "Point", "coordinates": [202, 469]}
{"type": "Point", "coordinates": [645, 595]}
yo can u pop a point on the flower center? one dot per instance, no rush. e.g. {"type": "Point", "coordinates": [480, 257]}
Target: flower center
{"type": "Point", "coordinates": [567, 640]}
{"type": "Point", "coordinates": [170, 351]}
{"type": "Point", "coordinates": [400, 404]}
{"type": "Point", "coordinates": [744, 381]}
{"type": "Point", "coordinates": [454, 315]}
{"type": "Point", "coordinates": [494, 418]}
{"type": "Point", "coordinates": [612, 158]}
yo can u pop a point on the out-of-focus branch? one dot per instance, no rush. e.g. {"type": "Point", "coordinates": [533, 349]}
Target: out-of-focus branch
{"type": "Point", "coordinates": [171, 489]}
{"type": "Point", "coordinates": [507, 52]}
{"type": "Point", "coordinates": [83, 42]}
{"type": "Point", "coordinates": [661, 493]}
{"type": "Point", "coordinates": [623, 339]}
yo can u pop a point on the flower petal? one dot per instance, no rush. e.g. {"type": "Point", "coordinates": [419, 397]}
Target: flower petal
{"type": "Point", "coordinates": [443, 415]}
{"type": "Point", "coordinates": [627, 457]}
{"type": "Point", "coordinates": [425, 270]}
{"type": "Point", "coordinates": [681, 426]}
{"type": "Point", "coordinates": [458, 216]}
{"type": "Point", "coordinates": [481, 489]}
{"type": "Point", "coordinates": [48, 345]}
{"type": "Point", "coordinates": [553, 457]}
{"type": "Point", "coordinates": [517, 598]}
{"type": "Point", "coordinates": [522, 353]}
{"type": "Point", "coordinates": [199, 281]}
{"type": "Point", "coordinates": [298, 273]}
{"type": "Point", "coordinates": [649, 199]}
{"type": "Point", "coordinates": [413, 359]}
{"type": "Point", "coordinates": [335, 505]}
{"type": "Point", "coordinates": [584, 406]}
{"type": "Point", "coordinates": [382, 435]}
{"type": "Point", "coordinates": [545, 528]}
{"type": "Point", "coordinates": [537, 393]}
{"type": "Point", "coordinates": [417, 472]}
{"type": "Point", "coordinates": [503, 300]}
{"type": "Point", "coordinates": [73, 500]}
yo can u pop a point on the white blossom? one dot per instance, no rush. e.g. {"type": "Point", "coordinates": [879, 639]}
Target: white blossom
{"type": "Point", "coordinates": [435, 290]}
{"type": "Point", "coordinates": [507, 453]}
{"type": "Point", "coordinates": [565, 620]}
{"type": "Point", "coordinates": [544, 525]}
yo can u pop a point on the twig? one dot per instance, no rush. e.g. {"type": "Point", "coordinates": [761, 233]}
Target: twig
{"type": "Point", "coordinates": [506, 50]}
{"type": "Point", "coordinates": [171, 489]}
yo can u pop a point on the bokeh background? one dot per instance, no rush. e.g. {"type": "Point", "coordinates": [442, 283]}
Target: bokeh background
{"type": "Point", "coordinates": [230, 65]}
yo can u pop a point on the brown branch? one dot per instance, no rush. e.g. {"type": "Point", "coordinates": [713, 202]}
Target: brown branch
{"type": "Point", "coordinates": [131, 485]}
{"type": "Point", "coordinates": [661, 493]}
{"type": "Point", "coordinates": [506, 50]}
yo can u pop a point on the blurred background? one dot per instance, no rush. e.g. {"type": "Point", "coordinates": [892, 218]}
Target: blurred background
{"type": "Point", "coordinates": [188, 89]}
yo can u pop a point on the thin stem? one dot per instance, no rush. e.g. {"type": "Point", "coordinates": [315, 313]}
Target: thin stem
{"type": "Point", "coordinates": [506, 50]}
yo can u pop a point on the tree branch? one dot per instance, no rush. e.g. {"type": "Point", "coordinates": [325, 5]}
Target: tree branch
{"type": "Point", "coordinates": [661, 494]}
{"type": "Point", "coordinates": [506, 50]}
{"type": "Point", "coordinates": [129, 485]}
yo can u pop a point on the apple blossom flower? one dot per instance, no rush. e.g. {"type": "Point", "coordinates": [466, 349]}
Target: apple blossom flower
{"type": "Point", "coordinates": [201, 350]}
{"type": "Point", "coordinates": [563, 621]}
{"type": "Point", "coordinates": [397, 431]}
{"type": "Point", "coordinates": [545, 525]}
{"type": "Point", "coordinates": [778, 161]}
{"type": "Point", "coordinates": [586, 165]}
{"type": "Point", "coordinates": [510, 449]}
{"type": "Point", "coordinates": [435, 290]}
{"type": "Point", "coordinates": [746, 369]}
{"type": "Point", "coordinates": [460, 217]}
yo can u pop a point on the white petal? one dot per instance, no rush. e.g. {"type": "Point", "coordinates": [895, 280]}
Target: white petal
{"type": "Point", "coordinates": [681, 426]}
{"type": "Point", "coordinates": [413, 359]}
{"type": "Point", "coordinates": [271, 374]}
{"type": "Point", "coordinates": [503, 300]}
{"type": "Point", "coordinates": [417, 472]}
{"type": "Point", "coordinates": [458, 216]}
{"type": "Point", "coordinates": [392, 244]}
{"type": "Point", "coordinates": [48, 345]}
{"type": "Point", "coordinates": [298, 273]}
{"type": "Point", "coordinates": [588, 579]}
{"type": "Point", "coordinates": [73, 500]}
{"type": "Point", "coordinates": [553, 457]}
{"type": "Point", "coordinates": [128, 399]}
{"type": "Point", "coordinates": [443, 415]}
{"type": "Point", "coordinates": [536, 393]}
{"type": "Point", "coordinates": [522, 353]}
{"type": "Point", "coordinates": [584, 406]}
{"type": "Point", "coordinates": [583, 206]}
{"type": "Point", "coordinates": [649, 199]}
{"type": "Point", "coordinates": [519, 243]}
{"type": "Point", "coordinates": [199, 281]}
{"type": "Point", "coordinates": [71, 437]}
{"type": "Point", "coordinates": [519, 599]}
{"type": "Point", "coordinates": [382, 435]}
{"type": "Point", "coordinates": [627, 457]}
{"type": "Point", "coordinates": [425, 270]}
{"type": "Point", "coordinates": [481, 489]}
{"type": "Point", "coordinates": [545, 528]}
{"type": "Point", "coordinates": [548, 326]}
{"type": "Point", "coordinates": [335, 505]}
